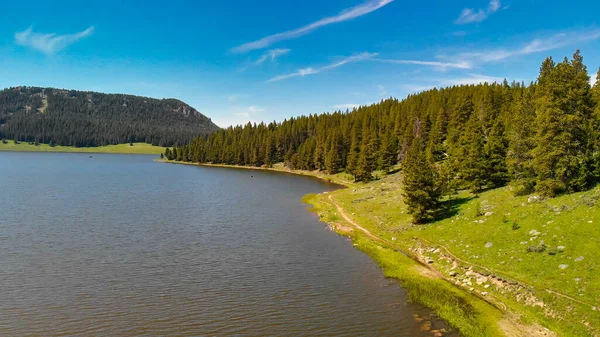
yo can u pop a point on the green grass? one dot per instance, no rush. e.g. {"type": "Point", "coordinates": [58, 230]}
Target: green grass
{"type": "Point", "coordinates": [470, 315]}
{"type": "Point", "coordinates": [572, 221]}
{"type": "Point", "coordinates": [137, 148]}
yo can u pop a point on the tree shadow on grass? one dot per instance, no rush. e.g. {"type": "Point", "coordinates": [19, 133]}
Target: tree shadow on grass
{"type": "Point", "coordinates": [450, 208]}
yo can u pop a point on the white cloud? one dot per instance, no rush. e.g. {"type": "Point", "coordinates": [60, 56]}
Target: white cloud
{"type": "Point", "coordinates": [470, 15]}
{"type": "Point", "coordinates": [535, 46]}
{"type": "Point", "coordinates": [593, 80]}
{"type": "Point", "coordinates": [493, 6]}
{"type": "Point", "coordinates": [312, 71]}
{"type": "Point", "coordinates": [471, 79]}
{"type": "Point", "coordinates": [255, 109]}
{"type": "Point", "coordinates": [381, 90]}
{"type": "Point", "coordinates": [345, 106]}
{"type": "Point", "coordinates": [271, 55]}
{"type": "Point", "coordinates": [347, 14]}
{"type": "Point", "coordinates": [240, 116]}
{"type": "Point", "coordinates": [49, 43]}
{"type": "Point", "coordinates": [413, 88]}
{"type": "Point", "coordinates": [236, 97]}
{"type": "Point", "coordinates": [437, 65]}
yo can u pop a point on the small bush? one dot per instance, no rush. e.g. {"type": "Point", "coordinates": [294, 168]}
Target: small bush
{"type": "Point", "coordinates": [536, 249]}
{"type": "Point", "coordinates": [515, 226]}
{"type": "Point", "coordinates": [553, 251]}
{"type": "Point", "coordinates": [479, 210]}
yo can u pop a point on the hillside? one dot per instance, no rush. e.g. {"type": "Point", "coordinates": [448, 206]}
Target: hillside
{"type": "Point", "coordinates": [86, 119]}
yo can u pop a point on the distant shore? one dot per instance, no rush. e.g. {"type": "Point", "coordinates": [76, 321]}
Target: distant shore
{"type": "Point", "coordinates": [137, 148]}
{"type": "Point", "coordinates": [339, 180]}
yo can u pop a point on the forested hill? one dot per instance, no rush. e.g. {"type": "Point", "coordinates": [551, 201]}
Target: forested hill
{"type": "Point", "coordinates": [542, 138]}
{"type": "Point", "coordinates": [83, 119]}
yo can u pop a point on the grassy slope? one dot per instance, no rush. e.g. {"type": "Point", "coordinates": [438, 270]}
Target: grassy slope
{"type": "Point", "coordinates": [571, 221]}
{"type": "Point", "coordinates": [137, 148]}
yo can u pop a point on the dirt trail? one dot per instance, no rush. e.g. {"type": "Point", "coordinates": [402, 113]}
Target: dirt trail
{"type": "Point", "coordinates": [510, 324]}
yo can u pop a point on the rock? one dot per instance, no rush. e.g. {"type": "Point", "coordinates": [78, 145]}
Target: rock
{"type": "Point", "coordinates": [486, 286]}
{"type": "Point", "coordinates": [579, 259]}
{"type": "Point", "coordinates": [484, 293]}
{"type": "Point", "coordinates": [563, 266]}
{"type": "Point", "coordinates": [560, 249]}
{"type": "Point", "coordinates": [488, 214]}
{"type": "Point", "coordinates": [394, 238]}
{"type": "Point", "coordinates": [533, 232]}
{"type": "Point", "coordinates": [533, 198]}
{"type": "Point", "coordinates": [430, 261]}
{"type": "Point", "coordinates": [524, 204]}
{"type": "Point", "coordinates": [453, 273]}
{"type": "Point", "coordinates": [488, 245]}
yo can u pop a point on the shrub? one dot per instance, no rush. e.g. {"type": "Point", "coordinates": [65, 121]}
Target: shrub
{"type": "Point", "coordinates": [515, 226]}
{"type": "Point", "coordinates": [536, 249]}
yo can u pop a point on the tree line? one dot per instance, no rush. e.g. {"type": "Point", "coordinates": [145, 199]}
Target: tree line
{"type": "Point", "coordinates": [85, 119]}
{"type": "Point", "coordinates": [543, 138]}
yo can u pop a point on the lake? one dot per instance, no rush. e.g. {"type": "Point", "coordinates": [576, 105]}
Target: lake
{"type": "Point", "coordinates": [121, 245]}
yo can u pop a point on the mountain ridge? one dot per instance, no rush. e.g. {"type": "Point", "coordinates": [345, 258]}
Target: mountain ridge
{"type": "Point", "coordinates": [87, 118]}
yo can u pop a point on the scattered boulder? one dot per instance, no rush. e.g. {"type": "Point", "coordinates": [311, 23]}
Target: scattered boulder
{"type": "Point", "coordinates": [488, 245]}
{"type": "Point", "coordinates": [453, 273]}
{"type": "Point", "coordinates": [489, 213]}
{"type": "Point", "coordinates": [579, 259]}
{"type": "Point", "coordinates": [563, 266]}
{"type": "Point", "coordinates": [533, 232]}
{"type": "Point", "coordinates": [533, 198]}
{"type": "Point", "coordinates": [484, 293]}
{"type": "Point", "coordinates": [560, 249]}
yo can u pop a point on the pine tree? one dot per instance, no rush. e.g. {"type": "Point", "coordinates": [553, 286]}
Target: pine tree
{"type": "Point", "coordinates": [353, 153]}
{"type": "Point", "coordinates": [496, 172]}
{"type": "Point", "coordinates": [421, 189]}
{"type": "Point", "coordinates": [388, 151]}
{"type": "Point", "coordinates": [363, 170]}
{"type": "Point", "coordinates": [472, 158]}
{"type": "Point", "coordinates": [519, 157]}
{"type": "Point", "coordinates": [564, 107]}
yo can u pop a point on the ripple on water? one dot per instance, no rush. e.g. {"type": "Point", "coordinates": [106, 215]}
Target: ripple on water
{"type": "Point", "coordinates": [124, 246]}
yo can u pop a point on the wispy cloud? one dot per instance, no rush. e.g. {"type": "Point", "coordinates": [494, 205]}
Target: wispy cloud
{"type": "Point", "coordinates": [312, 71]}
{"type": "Point", "coordinates": [381, 90]}
{"type": "Point", "coordinates": [535, 46]}
{"type": "Point", "coordinates": [438, 65]}
{"type": "Point", "coordinates": [240, 115]}
{"type": "Point", "coordinates": [347, 14]}
{"type": "Point", "coordinates": [49, 43]}
{"type": "Point", "coordinates": [271, 55]}
{"type": "Point", "coordinates": [345, 106]}
{"type": "Point", "coordinates": [470, 15]}
{"type": "Point", "coordinates": [471, 79]}
{"type": "Point", "coordinates": [413, 88]}
{"type": "Point", "coordinates": [236, 97]}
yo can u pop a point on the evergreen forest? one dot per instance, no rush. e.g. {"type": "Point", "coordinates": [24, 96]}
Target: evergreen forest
{"type": "Point", "coordinates": [87, 119]}
{"type": "Point", "coordinates": [542, 138]}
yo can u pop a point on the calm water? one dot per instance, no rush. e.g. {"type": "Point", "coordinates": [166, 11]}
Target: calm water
{"type": "Point", "coordinates": [121, 245]}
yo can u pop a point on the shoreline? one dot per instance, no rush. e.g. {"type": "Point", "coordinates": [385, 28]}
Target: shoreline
{"type": "Point", "coordinates": [473, 314]}
{"type": "Point", "coordinates": [137, 148]}
{"type": "Point", "coordinates": [278, 168]}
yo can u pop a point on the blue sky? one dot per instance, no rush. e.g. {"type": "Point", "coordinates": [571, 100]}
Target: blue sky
{"type": "Point", "coordinates": [242, 60]}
